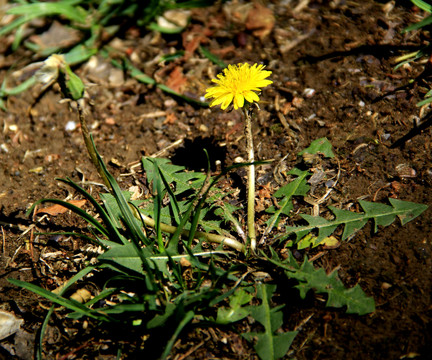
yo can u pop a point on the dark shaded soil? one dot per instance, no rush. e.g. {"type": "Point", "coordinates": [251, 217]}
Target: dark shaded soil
{"type": "Point", "coordinates": [332, 65]}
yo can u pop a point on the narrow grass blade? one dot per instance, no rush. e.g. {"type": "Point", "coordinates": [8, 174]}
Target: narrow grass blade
{"type": "Point", "coordinates": [141, 77]}
{"type": "Point", "coordinates": [17, 89]}
{"type": "Point", "coordinates": [157, 188]}
{"type": "Point", "coordinates": [419, 25]}
{"type": "Point", "coordinates": [187, 318]}
{"type": "Point", "coordinates": [17, 23]}
{"type": "Point", "coordinates": [112, 230]}
{"type": "Point", "coordinates": [173, 200]}
{"type": "Point", "coordinates": [41, 333]}
{"type": "Point", "coordinates": [80, 212]}
{"type": "Point", "coordinates": [63, 8]}
{"type": "Point", "coordinates": [70, 304]}
{"type": "Point", "coordinates": [131, 223]}
{"type": "Point", "coordinates": [213, 58]}
{"type": "Point", "coordinates": [423, 5]}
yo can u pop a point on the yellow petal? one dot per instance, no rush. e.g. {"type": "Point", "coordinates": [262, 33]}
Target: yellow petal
{"type": "Point", "coordinates": [250, 96]}
{"type": "Point", "coordinates": [226, 101]}
{"type": "Point", "coordinates": [238, 101]}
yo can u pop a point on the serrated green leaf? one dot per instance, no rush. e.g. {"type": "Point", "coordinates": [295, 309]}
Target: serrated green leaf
{"type": "Point", "coordinates": [236, 310]}
{"type": "Point", "coordinates": [321, 145]}
{"type": "Point", "coordinates": [113, 208]}
{"type": "Point", "coordinates": [281, 344]}
{"type": "Point", "coordinates": [407, 210]}
{"type": "Point", "coordinates": [297, 187]}
{"type": "Point", "coordinates": [311, 278]}
{"type": "Point", "coordinates": [353, 221]}
{"type": "Point", "coordinates": [124, 257]}
{"type": "Point", "coordinates": [383, 215]}
{"type": "Point", "coordinates": [226, 211]}
{"type": "Point", "coordinates": [326, 227]}
{"type": "Point", "coordinates": [174, 174]}
{"type": "Point", "coordinates": [269, 345]}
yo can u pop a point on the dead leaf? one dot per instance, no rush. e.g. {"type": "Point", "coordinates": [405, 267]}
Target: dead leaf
{"type": "Point", "coordinates": [81, 295]}
{"type": "Point", "coordinates": [9, 324]}
{"type": "Point", "coordinates": [57, 209]}
{"type": "Point", "coordinates": [185, 262]}
{"type": "Point", "coordinates": [193, 38]}
{"type": "Point", "coordinates": [330, 242]}
{"type": "Point", "coordinates": [176, 80]}
{"type": "Point", "coordinates": [261, 20]}
{"type": "Point", "coordinates": [170, 118]}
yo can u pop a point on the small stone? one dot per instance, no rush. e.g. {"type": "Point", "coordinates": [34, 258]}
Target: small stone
{"type": "Point", "coordinates": [386, 285]}
{"type": "Point", "coordinates": [405, 171]}
{"type": "Point", "coordinates": [37, 170]}
{"type": "Point", "coordinates": [110, 121]}
{"type": "Point", "coordinates": [309, 92]}
{"type": "Point", "coordinates": [71, 126]}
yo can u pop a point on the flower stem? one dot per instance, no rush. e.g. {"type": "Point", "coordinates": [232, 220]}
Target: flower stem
{"type": "Point", "coordinates": [251, 180]}
{"type": "Point", "coordinates": [87, 140]}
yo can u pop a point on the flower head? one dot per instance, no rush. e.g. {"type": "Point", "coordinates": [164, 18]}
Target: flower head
{"type": "Point", "coordinates": [50, 69]}
{"type": "Point", "coordinates": [238, 84]}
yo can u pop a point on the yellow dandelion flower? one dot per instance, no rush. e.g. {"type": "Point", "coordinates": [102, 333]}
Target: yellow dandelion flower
{"type": "Point", "coordinates": [238, 84]}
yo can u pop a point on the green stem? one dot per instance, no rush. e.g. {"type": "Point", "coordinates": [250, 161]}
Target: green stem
{"type": "Point", "coordinates": [91, 151]}
{"type": "Point", "coordinates": [251, 180]}
{"type": "Point", "coordinates": [214, 238]}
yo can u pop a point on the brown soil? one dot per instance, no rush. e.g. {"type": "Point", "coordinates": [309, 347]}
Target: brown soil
{"type": "Point", "coordinates": [343, 52]}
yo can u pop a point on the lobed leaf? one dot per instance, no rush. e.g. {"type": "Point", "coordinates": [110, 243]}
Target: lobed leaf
{"type": "Point", "coordinates": [310, 278]}
{"type": "Point", "coordinates": [236, 310]}
{"type": "Point", "coordinates": [321, 145]}
{"type": "Point", "coordinates": [297, 187]}
{"type": "Point", "coordinates": [383, 215]}
{"type": "Point", "coordinates": [354, 298]}
{"type": "Point", "coordinates": [173, 174]}
{"type": "Point", "coordinates": [269, 345]}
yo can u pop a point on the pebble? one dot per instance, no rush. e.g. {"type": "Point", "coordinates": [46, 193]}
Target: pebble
{"type": "Point", "coordinates": [309, 92]}
{"type": "Point", "coordinates": [70, 126]}
{"type": "Point", "coordinates": [405, 171]}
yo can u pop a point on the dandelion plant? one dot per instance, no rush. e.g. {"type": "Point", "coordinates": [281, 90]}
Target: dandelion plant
{"type": "Point", "coordinates": [238, 84]}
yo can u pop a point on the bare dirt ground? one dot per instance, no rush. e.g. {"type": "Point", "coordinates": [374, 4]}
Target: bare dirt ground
{"type": "Point", "coordinates": [332, 65]}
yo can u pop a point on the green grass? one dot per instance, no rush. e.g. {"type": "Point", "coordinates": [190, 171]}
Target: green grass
{"type": "Point", "coordinates": [95, 20]}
